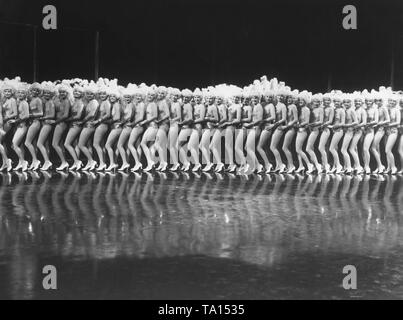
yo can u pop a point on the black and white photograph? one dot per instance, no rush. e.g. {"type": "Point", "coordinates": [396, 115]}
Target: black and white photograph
{"type": "Point", "coordinates": [199, 150]}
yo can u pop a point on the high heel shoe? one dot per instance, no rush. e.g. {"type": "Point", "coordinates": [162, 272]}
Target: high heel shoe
{"type": "Point", "coordinates": [291, 170]}
{"type": "Point", "coordinates": [197, 167]}
{"type": "Point", "coordinates": [259, 169]}
{"type": "Point", "coordinates": [78, 165]}
{"type": "Point", "coordinates": [137, 167]}
{"type": "Point", "coordinates": [339, 170]}
{"type": "Point", "coordinates": [300, 170]}
{"type": "Point", "coordinates": [208, 167]}
{"type": "Point", "coordinates": [9, 165]}
{"type": "Point", "coordinates": [35, 165]}
{"type": "Point", "coordinates": [186, 167]}
{"type": "Point", "coordinates": [111, 167]}
{"type": "Point", "coordinates": [24, 166]}
{"type": "Point", "coordinates": [311, 169]}
{"type": "Point", "coordinates": [124, 167]}
{"type": "Point", "coordinates": [269, 169]}
{"type": "Point", "coordinates": [163, 167]}
{"type": "Point", "coordinates": [63, 167]}
{"type": "Point", "coordinates": [150, 167]}
{"type": "Point", "coordinates": [232, 168]}
{"type": "Point", "coordinates": [174, 168]}
{"type": "Point", "coordinates": [219, 168]}
{"type": "Point", "coordinates": [46, 166]}
{"type": "Point", "coordinates": [101, 167]}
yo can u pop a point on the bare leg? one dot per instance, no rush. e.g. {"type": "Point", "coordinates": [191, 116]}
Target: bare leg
{"type": "Point", "coordinates": [287, 141]}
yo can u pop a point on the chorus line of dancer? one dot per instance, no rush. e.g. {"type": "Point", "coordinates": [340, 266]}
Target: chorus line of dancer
{"type": "Point", "coordinates": [262, 127]}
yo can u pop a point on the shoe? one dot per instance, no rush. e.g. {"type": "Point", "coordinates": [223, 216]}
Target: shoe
{"type": "Point", "coordinates": [9, 165]}
{"type": "Point", "coordinates": [359, 170]}
{"type": "Point", "coordinates": [348, 171]}
{"type": "Point", "coordinates": [101, 167]}
{"type": "Point", "coordinates": [393, 171]}
{"type": "Point", "coordinates": [111, 167]}
{"type": "Point", "coordinates": [163, 167]}
{"type": "Point", "coordinates": [269, 168]}
{"type": "Point", "coordinates": [63, 167]}
{"type": "Point", "coordinates": [282, 168]}
{"type": "Point", "coordinates": [319, 168]}
{"type": "Point", "coordinates": [291, 170]}
{"type": "Point", "coordinates": [24, 166]}
{"type": "Point", "coordinates": [18, 167]}
{"type": "Point", "coordinates": [174, 168]}
{"type": "Point", "coordinates": [93, 165]}
{"type": "Point", "coordinates": [339, 170]}
{"type": "Point", "coordinates": [149, 167]}
{"type": "Point", "coordinates": [381, 170]}
{"type": "Point", "coordinates": [35, 165]}
{"type": "Point", "coordinates": [124, 167]}
{"type": "Point", "coordinates": [219, 168]}
{"type": "Point", "coordinates": [186, 167]}
{"type": "Point", "coordinates": [46, 166]}
{"type": "Point", "coordinates": [197, 167]}
{"type": "Point", "coordinates": [232, 168]}
{"type": "Point", "coordinates": [300, 170]}
{"type": "Point", "coordinates": [259, 169]}
{"type": "Point", "coordinates": [78, 165]}
{"type": "Point", "coordinates": [137, 167]}
{"type": "Point", "coordinates": [246, 168]}
{"type": "Point", "coordinates": [367, 171]}
{"type": "Point", "coordinates": [208, 167]}
{"type": "Point", "coordinates": [311, 168]}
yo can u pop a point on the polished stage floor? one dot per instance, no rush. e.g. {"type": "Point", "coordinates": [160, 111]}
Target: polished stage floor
{"type": "Point", "coordinates": [187, 236]}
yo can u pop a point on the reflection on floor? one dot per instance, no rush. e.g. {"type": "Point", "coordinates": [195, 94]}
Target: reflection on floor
{"type": "Point", "coordinates": [200, 236]}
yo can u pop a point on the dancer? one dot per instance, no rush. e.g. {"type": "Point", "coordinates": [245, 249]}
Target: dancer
{"type": "Point", "coordinates": [211, 118]}
{"type": "Point", "coordinates": [48, 121]}
{"type": "Point", "coordinates": [215, 145]}
{"type": "Point", "coordinates": [77, 110]}
{"type": "Point", "coordinates": [138, 129]}
{"type": "Point", "coordinates": [254, 132]}
{"type": "Point", "coordinates": [269, 116]}
{"type": "Point", "coordinates": [8, 113]}
{"type": "Point", "coordinates": [127, 122]}
{"type": "Point", "coordinates": [328, 117]}
{"type": "Point", "coordinates": [186, 130]}
{"type": "Point", "coordinates": [383, 120]}
{"type": "Point", "coordinates": [349, 125]}
{"type": "Point", "coordinates": [281, 120]}
{"type": "Point", "coordinates": [34, 124]}
{"type": "Point", "coordinates": [289, 129]}
{"type": "Point", "coordinates": [21, 124]}
{"type": "Point", "coordinates": [242, 132]}
{"type": "Point", "coordinates": [302, 134]}
{"type": "Point", "coordinates": [175, 117]}
{"type": "Point", "coordinates": [62, 108]}
{"type": "Point", "coordinates": [199, 113]}
{"type": "Point", "coordinates": [361, 115]}
{"type": "Point", "coordinates": [116, 127]}
{"type": "Point", "coordinates": [101, 125]}
{"type": "Point", "coordinates": [89, 122]}
{"type": "Point", "coordinates": [234, 119]}
{"type": "Point", "coordinates": [317, 121]}
{"type": "Point", "coordinates": [161, 138]}
{"type": "Point", "coordinates": [392, 132]}
{"type": "Point", "coordinates": [152, 128]}
{"type": "Point", "coordinates": [369, 131]}
{"type": "Point", "coordinates": [337, 126]}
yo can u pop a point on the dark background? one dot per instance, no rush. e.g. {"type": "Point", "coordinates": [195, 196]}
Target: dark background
{"type": "Point", "coordinates": [188, 43]}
